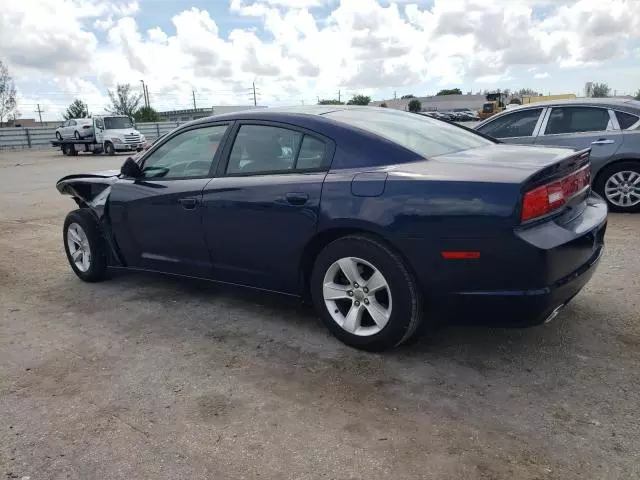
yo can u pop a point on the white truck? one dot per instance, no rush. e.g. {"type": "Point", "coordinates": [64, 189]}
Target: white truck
{"type": "Point", "coordinates": [111, 134]}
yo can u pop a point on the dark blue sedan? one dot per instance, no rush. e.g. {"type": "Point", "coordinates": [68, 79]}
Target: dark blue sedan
{"type": "Point", "coordinates": [387, 220]}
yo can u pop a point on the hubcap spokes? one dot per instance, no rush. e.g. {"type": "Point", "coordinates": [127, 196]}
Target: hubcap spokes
{"type": "Point", "coordinates": [623, 188]}
{"type": "Point", "coordinates": [79, 249]}
{"type": "Point", "coordinates": [357, 296]}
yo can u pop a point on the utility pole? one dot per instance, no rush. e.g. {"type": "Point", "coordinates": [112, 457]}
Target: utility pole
{"type": "Point", "coordinates": [193, 92]}
{"type": "Point", "coordinates": [394, 95]}
{"type": "Point", "coordinates": [338, 95]}
{"type": "Point", "coordinates": [40, 112]}
{"type": "Point", "coordinates": [146, 91]}
{"type": "Point", "coordinates": [255, 101]}
{"type": "Point", "coordinates": [144, 94]}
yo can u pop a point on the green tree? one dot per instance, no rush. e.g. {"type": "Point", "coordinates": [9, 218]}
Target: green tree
{"type": "Point", "coordinates": [415, 106]}
{"type": "Point", "coordinates": [8, 102]}
{"type": "Point", "coordinates": [123, 100]}
{"type": "Point", "coordinates": [450, 91]}
{"type": "Point", "coordinates": [77, 109]}
{"type": "Point", "coordinates": [601, 90]}
{"type": "Point", "coordinates": [528, 92]}
{"type": "Point", "coordinates": [403, 97]}
{"type": "Point", "coordinates": [359, 100]}
{"type": "Point", "coordinates": [330, 102]}
{"type": "Point", "coordinates": [637, 97]}
{"type": "Point", "coordinates": [146, 114]}
{"type": "Point", "coordinates": [383, 105]}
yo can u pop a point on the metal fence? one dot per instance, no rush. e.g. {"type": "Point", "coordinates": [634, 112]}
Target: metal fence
{"type": "Point", "coordinates": [39, 137]}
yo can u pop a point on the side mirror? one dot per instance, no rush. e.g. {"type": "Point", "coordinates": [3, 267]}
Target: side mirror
{"type": "Point", "coordinates": [131, 169]}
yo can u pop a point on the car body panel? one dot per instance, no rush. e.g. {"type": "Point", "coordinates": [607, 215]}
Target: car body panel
{"type": "Point", "coordinates": [255, 230]}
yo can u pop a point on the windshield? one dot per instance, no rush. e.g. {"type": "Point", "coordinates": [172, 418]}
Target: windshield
{"type": "Point", "coordinates": [487, 108]}
{"type": "Point", "coordinates": [421, 134]}
{"type": "Point", "coordinates": [117, 123]}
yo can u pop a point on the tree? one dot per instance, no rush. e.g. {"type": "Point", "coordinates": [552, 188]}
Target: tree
{"type": "Point", "coordinates": [517, 101]}
{"type": "Point", "coordinates": [123, 101]}
{"type": "Point", "coordinates": [637, 97]}
{"type": "Point", "coordinates": [359, 100]}
{"type": "Point", "coordinates": [528, 92]}
{"type": "Point", "coordinates": [8, 102]}
{"type": "Point", "coordinates": [383, 105]}
{"type": "Point", "coordinates": [146, 114]}
{"type": "Point", "coordinates": [601, 90]}
{"type": "Point", "coordinates": [77, 109]}
{"type": "Point", "coordinates": [403, 97]}
{"type": "Point", "coordinates": [451, 91]}
{"type": "Point", "coordinates": [415, 106]}
{"type": "Point", "coordinates": [330, 102]}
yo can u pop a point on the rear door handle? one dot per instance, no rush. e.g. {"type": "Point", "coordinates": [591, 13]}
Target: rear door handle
{"type": "Point", "coordinates": [602, 141]}
{"type": "Point", "coordinates": [188, 203]}
{"type": "Point", "coordinates": [295, 198]}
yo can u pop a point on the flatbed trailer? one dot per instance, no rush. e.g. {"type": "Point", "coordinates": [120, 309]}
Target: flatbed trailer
{"type": "Point", "coordinates": [71, 147]}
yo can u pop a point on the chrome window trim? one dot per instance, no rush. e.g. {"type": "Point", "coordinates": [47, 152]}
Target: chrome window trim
{"type": "Point", "coordinates": [608, 128]}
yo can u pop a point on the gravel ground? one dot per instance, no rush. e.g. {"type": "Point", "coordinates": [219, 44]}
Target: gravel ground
{"type": "Point", "coordinates": [150, 377]}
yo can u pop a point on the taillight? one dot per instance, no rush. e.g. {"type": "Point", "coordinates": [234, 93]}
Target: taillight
{"type": "Point", "coordinates": [545, 199]}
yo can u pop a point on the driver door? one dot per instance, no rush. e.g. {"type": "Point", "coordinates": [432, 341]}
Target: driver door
{"type": "Point", "coordinates": [157, 219]}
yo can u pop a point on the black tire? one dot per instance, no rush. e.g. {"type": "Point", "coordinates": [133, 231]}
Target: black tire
{"type": "Point", "coordinates": [76, 135]}
{"type": "Point", "coordinates": [96, 245]}
{"type": "Point", "coordinates": [58, 136]}
{"type": "Point", "coordinates": [109, 149]}
{"type": "Point", "coordinates": [407, 302]}
{"type": "Point", "coordinates": [606, 174]}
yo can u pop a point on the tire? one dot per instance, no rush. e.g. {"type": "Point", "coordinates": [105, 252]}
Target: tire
{"type": "Point", "coordinates": [625, 173]}
{"type": "Point", "coordinates": [76, 135]}
{"type": "Point", "coordinates": [90, 241]}
{"type": "Point", "coordinates": [109, 149]}
{"type": "Point", "coordinates": [58, 136]}
{"type": "Point", "coordinates": [400, 300]}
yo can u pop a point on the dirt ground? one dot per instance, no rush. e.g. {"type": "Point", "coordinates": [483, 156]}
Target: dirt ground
{"type": "Point", "coordinates": [150, 377]}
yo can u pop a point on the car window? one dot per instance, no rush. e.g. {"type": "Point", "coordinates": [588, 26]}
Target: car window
{"type": "Point", "coordinates": [72, 123]}
{"type": "Point", "coordinates": [189, 154]}
{"type": "Point", "coordinates": [516, 124]}
{"type": "Point", "coordinates": [311, 153]}
{"type": "Point", "coordinates": [626, 120]}
{"type": "Point", "coordinates": [577, 119]}
{"type": "Point", "coordinates": [262, 148]}
{"type": "Point", "coordinates": [423, 135]}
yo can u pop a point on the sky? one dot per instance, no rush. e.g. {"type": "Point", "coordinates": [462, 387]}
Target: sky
{"type": "Point", "coordinates": [296, 51]}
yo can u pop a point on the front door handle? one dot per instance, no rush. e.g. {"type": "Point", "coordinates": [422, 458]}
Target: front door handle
{"type": "Point", "coordinates": [188, 203]}
{"type": "Point", "coordinates": [295, 198]}
{"type": "Point", "coordinates": [602, 141]}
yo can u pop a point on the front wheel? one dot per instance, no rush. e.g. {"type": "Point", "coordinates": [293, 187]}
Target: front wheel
{"type": "Point", "coordinates": [85, 246]}
{"type": "Point", "coordinates": [619, 185]}
{"type": "Point", "coordinates": [365, 294]}
{"type": "Point", "coordinates": [58, 136]}
{"type": "Point", "coordinates": [109, 149]}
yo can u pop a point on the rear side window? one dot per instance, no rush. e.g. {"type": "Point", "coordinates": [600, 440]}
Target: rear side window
{"type": "Point", "coordinates": [423, 135]}
{"type": "Point", "coordinates": [517, 124]}
{"type": "Point", "coordinates": [626, 120]}
{"type": "Point", "coordinates": [577, 119]}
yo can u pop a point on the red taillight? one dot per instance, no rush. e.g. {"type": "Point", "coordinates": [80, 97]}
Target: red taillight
{"type": "Point", "coordinates": [547, 198]}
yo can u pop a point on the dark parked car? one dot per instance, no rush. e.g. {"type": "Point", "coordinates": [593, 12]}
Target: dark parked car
{"type": "Point", "coordinates": [610, 127]}
{"type": "Point", "coordinates": [374, 214]}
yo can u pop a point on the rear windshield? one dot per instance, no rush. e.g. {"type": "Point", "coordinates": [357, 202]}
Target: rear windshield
{"type": "Point", "coordinates": [423, 135]}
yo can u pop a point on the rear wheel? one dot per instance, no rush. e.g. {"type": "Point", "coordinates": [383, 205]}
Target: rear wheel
{"type": "Point", "coordinates": [619, 185]}
{"type": "Point", "coordinates": [85, 246]}
{"type": "Point", "coordinates": [76, 134]}
{"type": "Point", "coordinates": [365, 294]}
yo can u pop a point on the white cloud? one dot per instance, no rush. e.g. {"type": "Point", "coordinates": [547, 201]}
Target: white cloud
{"type": "Point", "coordinates": [357, 44]}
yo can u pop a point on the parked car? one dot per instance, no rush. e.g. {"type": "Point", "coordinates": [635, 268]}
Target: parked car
{"type": "Point", "coordinates": [372, 213]}
{"type": "Point", "coordinates": [77, 128]}
{"type": "Point", "coordinates": [610, 127]}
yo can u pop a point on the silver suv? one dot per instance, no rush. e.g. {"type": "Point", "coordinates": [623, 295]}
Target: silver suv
{"type": "Point", "coordinates": [611, 127]}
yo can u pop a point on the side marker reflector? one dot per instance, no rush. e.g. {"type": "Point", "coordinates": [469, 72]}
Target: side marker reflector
{"type": "Point", "coordinates": [460, 255]}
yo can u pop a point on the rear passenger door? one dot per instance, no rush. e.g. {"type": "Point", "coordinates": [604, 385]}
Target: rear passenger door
{"type": "Point", "coordinates": [582, 127]}
{"type": "Point", "coordinates": [262, 208]}
{"type": "Point", "coordinates": [517, 127]}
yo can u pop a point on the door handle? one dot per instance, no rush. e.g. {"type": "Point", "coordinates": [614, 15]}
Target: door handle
{"type": "Point", "coordinates": [602, 141]}
{"type": "Point", "coordinates": [297, 198]}
{"type": "Point", "coordinates": [188, 203]}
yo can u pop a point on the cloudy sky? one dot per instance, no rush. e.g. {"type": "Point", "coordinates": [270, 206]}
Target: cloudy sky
{"type": "Point", "coordinates": [298, 50]}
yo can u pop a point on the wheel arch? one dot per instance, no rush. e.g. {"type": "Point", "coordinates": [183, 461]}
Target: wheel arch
{"type": "Point", "coordinates": [323, 238]}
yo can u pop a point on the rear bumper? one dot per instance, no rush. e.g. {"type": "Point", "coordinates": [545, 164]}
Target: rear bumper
{"type": "Point", "coordinates": [519, 308]}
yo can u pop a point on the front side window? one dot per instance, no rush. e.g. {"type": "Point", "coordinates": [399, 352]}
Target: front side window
{"type": "Point", "coordinates": [419, 133]}
{"type": "Point", "coordinates": [189, 154]}
{"type": "Point", "coordinates": [117, 123]}
{"type": "Point", "coordinates": [577, 120]}
{"type": "Point", "coordinates": [516, 124]}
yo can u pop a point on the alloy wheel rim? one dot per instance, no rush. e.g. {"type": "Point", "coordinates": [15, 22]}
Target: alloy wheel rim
{"type": "Point", "coordinates": [79, 248]}
{"type": "Point", "coordinates": [623, 188]}
{"type": "Point", "coordinates": [357, 296]}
